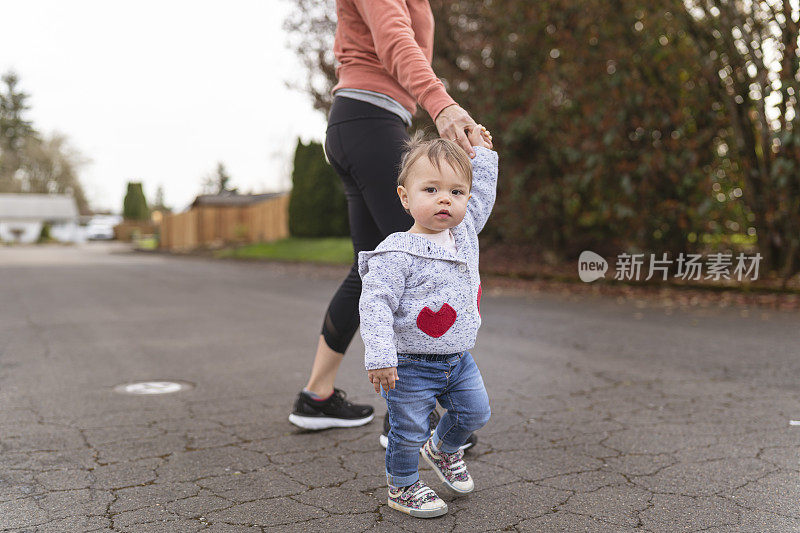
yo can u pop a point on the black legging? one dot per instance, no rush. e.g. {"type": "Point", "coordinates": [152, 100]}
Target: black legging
{"type": "Point", "coordinates": [364, 144]}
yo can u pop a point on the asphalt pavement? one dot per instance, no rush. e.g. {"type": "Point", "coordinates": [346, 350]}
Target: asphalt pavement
{"type": "Point", "coordinates": [607, 416]}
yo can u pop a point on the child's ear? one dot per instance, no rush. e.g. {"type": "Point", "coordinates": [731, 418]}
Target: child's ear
{"type": "Point", "coordinates": [401, 192]}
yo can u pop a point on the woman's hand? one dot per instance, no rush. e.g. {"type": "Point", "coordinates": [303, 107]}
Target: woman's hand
{"type": "Point", "coordinates": [383, 377]}
{"type": "Point", "coordinates": [453, 123]}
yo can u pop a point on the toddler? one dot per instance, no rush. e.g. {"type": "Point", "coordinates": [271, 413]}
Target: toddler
{"type": "Point", "coordinates": [420, 313]}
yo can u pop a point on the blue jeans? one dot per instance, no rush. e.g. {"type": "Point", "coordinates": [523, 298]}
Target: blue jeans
{"type": "Point", "coordinates": [453, 380]}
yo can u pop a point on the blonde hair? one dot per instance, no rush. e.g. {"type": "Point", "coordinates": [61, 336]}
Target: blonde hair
{"type": "Point", "coordinates": [436, 150]}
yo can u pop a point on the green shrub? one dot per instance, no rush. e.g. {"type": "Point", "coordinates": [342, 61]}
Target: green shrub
{"type": "Point", "coordinates": [44, 235]}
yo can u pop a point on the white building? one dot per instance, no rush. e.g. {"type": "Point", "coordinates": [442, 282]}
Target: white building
{"type": "Point", "coordinates": [22, 217]}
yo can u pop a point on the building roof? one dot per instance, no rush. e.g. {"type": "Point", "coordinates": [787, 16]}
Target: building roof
{"type": "Point", "coordinates": [38, 207]}
{"type": "Point", "coordinates": [233, 199]}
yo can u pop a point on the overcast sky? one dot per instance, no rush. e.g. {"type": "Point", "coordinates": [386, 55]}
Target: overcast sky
{"type": "Point", "coordinates": [159, 92]}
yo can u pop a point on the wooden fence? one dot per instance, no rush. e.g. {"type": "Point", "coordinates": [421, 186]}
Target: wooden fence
{"type": "Point", "coordinates": [213, 226]}
{"type": "Point", "coordinates": [128, 228]}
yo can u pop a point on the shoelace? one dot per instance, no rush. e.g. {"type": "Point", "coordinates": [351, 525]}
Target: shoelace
{"type": "Point", "coordinates": [419, 491]}
{"type": "Point", "coordinates": [454, 461]}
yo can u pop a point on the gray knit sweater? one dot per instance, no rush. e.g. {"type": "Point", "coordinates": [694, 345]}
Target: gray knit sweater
{"type": "Point", "coordinates": [419, 298]}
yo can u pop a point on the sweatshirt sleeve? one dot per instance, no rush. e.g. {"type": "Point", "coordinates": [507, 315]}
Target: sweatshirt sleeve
{"type": "Point", "coordinates": [484, 186]}
{"type": "Point", "coordinates": [389, 23]}
{"type": "Point", "coordinates": [383, 284]}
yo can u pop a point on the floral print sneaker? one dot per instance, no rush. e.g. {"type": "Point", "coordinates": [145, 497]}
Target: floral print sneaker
{"type": "Point", "coordinates": [417, 500]}
{"type": "Point", "coordinates": [450, 468]}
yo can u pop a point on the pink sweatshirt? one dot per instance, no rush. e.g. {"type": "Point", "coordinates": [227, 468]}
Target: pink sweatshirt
{"type": "Point", "coordinates": [386, 46]}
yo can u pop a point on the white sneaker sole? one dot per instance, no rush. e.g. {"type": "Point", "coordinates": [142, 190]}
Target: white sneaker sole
{"type": "Point", "coordinates": [384, 440]}
{"type": "Point", "coordinates": [323, 422]}
{"type": "Point", "coordinates": [441, 476]}
{"type": "Point", "coordinates": [418, 513]}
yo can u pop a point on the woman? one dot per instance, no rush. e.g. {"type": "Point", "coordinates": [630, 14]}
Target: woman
{"type": "Point", "coordinates": [384, 50]}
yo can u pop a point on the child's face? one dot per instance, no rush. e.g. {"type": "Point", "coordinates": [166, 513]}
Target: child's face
{"type": "Point", "coordinates": [436, 198]}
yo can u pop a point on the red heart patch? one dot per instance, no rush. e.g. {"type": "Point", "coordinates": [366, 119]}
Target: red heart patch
{"type": "Point", "coordinates": [479, 298]}
{"type": "Point", "coordinates": [436, 324]}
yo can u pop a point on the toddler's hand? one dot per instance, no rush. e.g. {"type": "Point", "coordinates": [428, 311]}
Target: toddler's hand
{"type": "Point", "coordinates": [480, 136]}
{"type": "Point", "coordinates": [383, 377]}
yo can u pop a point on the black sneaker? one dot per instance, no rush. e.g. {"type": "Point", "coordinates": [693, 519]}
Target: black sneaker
{"type": "Point", "coordinates": [335, 412]}
{"type": "Point", "coordinates": [433, 421]}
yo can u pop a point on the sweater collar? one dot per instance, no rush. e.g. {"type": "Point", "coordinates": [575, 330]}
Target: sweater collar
{"type": "Point", "coordinates": [415, 244]}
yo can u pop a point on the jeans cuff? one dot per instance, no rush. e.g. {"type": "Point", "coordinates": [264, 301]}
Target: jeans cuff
{"type": "Point", "coordinates": [443, 446]}
{"type": "Point", "coordinates": [401, 481]}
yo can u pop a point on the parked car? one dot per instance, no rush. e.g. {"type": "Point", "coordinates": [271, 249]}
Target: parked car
{"type": "Point", "coordinates": [101, 227]}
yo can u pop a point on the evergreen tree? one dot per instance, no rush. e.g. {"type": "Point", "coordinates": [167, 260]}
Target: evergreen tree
{"type": "Point", "coordinates": [317, 207]}
{"type": "Point", "coordinates": [159, 201]}
{"type": "Point", "coordinates": [135, 204]}
{"type": "Point", "coordinates": [217, 182]}
{"type": "Point", "coordinates": [222, 178]}
{"type": "Point", "coordinates": [14, 130]}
